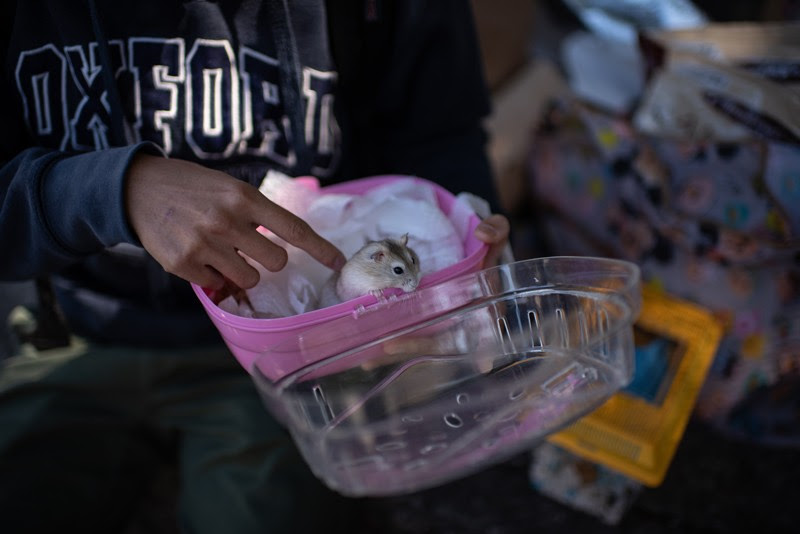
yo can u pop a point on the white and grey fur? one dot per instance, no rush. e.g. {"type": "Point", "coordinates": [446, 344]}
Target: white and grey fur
{"type": "Point", "coordinates": [378, 265]}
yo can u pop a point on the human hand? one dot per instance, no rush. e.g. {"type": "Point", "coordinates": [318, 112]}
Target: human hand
{"type": "Point", "coordinates": [493, 231]}
{"type": "Point", "coordinates": [196, 221]}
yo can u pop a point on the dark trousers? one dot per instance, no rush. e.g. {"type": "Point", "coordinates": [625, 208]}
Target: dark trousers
{"type": "Point", "coordinates": [85, 429]}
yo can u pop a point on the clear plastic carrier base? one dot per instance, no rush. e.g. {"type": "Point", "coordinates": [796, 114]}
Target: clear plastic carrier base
{"type": "Point", "coordinates": [434, 385]}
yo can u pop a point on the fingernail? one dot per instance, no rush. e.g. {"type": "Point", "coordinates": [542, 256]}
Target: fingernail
{"type": "Point", "coordinates": [487, 229]}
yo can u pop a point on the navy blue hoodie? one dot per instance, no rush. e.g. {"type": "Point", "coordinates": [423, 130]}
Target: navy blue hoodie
{"type": "Point", "coordinates": [372, 87]}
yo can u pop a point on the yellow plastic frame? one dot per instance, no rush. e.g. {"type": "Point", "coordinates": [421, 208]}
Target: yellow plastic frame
{"type": "Point", "coordinates": [631, 435]}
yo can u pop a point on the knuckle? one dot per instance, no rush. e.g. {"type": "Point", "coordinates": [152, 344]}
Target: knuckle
{"type": "Point", "coordinates": [192, 248]}
{"type": "Point", "coordinates": [218, 221]}
{"type": "Point", "coordinates": [233, 198]}
{"type": "Point", "coordinates": [277, 260]}
{"type": "Point", "coordinates": [174, 265]}
{"type": "Point", "coordinates": [249, 279]}
{"type": "Point", "coordinates": [185, 258]}
{"type": "Point", "coordinates": [298, 231]}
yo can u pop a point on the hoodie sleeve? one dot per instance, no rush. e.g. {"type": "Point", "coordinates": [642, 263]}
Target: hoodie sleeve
{"type": "Point", "coordinates": [56, 208]}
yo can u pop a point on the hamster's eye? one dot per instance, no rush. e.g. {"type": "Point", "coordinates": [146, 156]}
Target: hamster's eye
{"type": "Point", "coordinates": [413, 261]}
{"type": "Point", "coordinates": [398, 270]}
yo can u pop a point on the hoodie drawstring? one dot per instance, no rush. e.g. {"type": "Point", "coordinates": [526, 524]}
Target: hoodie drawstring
{"type": "Point", "coordinates": [117, 115]}
{"type": "Point", "coordinates": [279, 21]}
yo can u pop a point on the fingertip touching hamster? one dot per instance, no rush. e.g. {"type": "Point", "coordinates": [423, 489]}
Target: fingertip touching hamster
{"type": "Point", "coordinates": [378, 265]}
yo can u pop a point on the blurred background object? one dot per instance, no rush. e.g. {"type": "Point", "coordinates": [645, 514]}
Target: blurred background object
{"type": "Point", "coordinates": [12, 294]}
{"type": "Point", "coordinates": [606, 189]}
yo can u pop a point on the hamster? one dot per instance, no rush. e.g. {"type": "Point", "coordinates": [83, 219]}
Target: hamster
{"type": "Point", "coordinates": [378, 265]}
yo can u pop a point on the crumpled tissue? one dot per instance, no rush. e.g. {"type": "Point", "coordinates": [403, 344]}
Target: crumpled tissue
{"type": "Point", "coordinates": [349, 221]}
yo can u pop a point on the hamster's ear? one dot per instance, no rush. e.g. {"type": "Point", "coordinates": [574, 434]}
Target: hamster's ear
{"type": "Point", "coordinates": [376, 252]}
{"type": "Point", "coordinates": [404, 239]}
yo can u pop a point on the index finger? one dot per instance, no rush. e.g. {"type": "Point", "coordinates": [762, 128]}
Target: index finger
{"type": "Point", "coordinates": [299, 233]}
